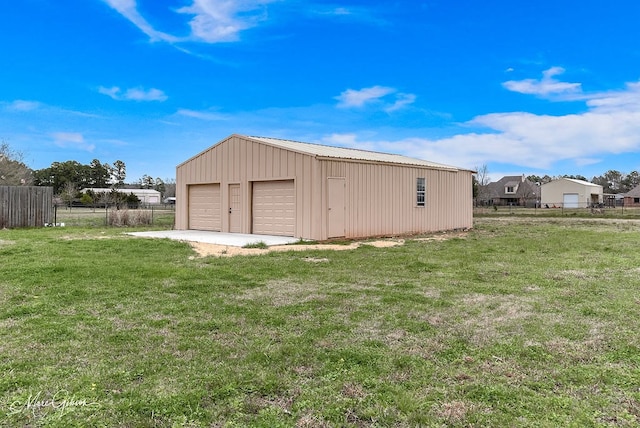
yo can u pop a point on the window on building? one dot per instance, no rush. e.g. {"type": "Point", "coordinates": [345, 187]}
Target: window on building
{"type": "Point", "coordinates": [636, 200]}
{"type": "Point", "coordinates": [510, 189]}
{"type": "Point", "coordinates": [420, 191]}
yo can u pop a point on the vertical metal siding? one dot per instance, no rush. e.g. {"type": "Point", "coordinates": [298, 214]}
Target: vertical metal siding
{"type": "Point", "coordinates": [380, 198]}
{"type": "Point", "coordinates": [238, 160]}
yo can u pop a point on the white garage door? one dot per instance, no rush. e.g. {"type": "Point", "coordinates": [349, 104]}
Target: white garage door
{"type": "Point", "coordinates": [205, 207]}
{"type": "Point", "coordinates": [274, 208]}
{"type": "Point", "coordinates": [570, 200]}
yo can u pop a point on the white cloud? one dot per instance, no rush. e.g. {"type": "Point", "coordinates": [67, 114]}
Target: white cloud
{"type": "Point", "coordinates": [217, 21]}
{"type": "Point", "coordinates": [37, 107]}
{"type": "Point", "coordinates": [627, 100]}
{"type": "Point", "coordinates": [402, 101]}
{"type": "Point", "coordinates": [139, 94]}
{"type": "Point", "coordinates": [358, 98]}
{"type": "Point", "coordinates": [202, 115]}
{"type": "Point", "coordinates": [343, 140]}
{"type": "Point", "coordinates": [545, 86]}
{"type": "Point", "coordinates": [390, 98]}
{"type": "Point", "coordinates": [586, 161]}
{"type": "Point", "coordinates": [214, 21]}
{"type": "Point", "coordinates": [348, 140]}
{"type": "Point", "coordinates": [352, 13]}
{"type": "Point", "coordinates": [113, 92]}
{"type": "Point", "coordinates": [133, 94]}
{"type": "Point", "coordinates": [610, 126]}
{"type": "Point", "coordinates": [22, 105]}
{"type": "Point", "coordinates": [223, 20]}
{"type": "Point", "coordinates": [129, 9]}
{"type": "Point", "coordinates": [333, 11]}
{"type": "Point", "coordinates": [342, 11]}
{"type": "Point", "coordinates": [73, 140]}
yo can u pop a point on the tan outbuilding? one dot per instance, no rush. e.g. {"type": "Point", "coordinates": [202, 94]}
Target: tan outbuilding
{"type": "Point", "coordinates": [571, 193]}
{"type": "Point", "coordinates": [280, 187]}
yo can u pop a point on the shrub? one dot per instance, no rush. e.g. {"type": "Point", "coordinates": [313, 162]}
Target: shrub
{"type": "Point", "coordinates": [259, 244]}
{"type": "Point", "coordinates": [123, 218]}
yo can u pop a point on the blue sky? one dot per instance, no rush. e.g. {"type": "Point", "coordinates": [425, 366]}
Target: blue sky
{"type": "Point", "coordinates": [544, 87]}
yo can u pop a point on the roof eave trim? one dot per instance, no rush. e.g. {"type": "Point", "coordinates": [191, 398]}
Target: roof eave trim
{"type": "Point", "coordinates": [381, 162]}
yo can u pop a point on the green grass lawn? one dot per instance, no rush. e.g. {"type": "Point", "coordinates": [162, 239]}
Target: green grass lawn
{"type": "Point", "coordinates": [522, 322]}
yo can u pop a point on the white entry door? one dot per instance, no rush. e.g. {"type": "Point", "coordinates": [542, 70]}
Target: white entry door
{"type": "Point", "coordinates": [335, 207]}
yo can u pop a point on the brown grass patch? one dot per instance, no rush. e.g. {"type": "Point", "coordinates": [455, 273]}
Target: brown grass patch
{"type": "Point", "coordinates": [491, 318]}
{"type": "Point", "coordinates": [312, 421]}
{"type": "Point", "coordinates": [283, 293]}
{"type": "Point", "coordinates": [353, 390]}
{"type": "Point", "coordinates": [571, 274]}
{"type": "Point", "coordinates": [85, 236]}
{"type": "Point", "coordinates": [206, 250]}
{"type": "Point", "coordinates": [316, 259]}
{"type": "Point", "coordinates": [453, 411]}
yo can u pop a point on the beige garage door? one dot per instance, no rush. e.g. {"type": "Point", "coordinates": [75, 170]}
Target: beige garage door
{"type": "Point", "coordinates": [274, 208]}
{"type": "Point", "coordinates": [205, 207]}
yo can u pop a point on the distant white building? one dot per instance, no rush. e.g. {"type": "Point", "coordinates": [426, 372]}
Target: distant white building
{"type": "Point", "coordinates": [571, 193]}
{"type": "Point", "coordinates": [146, 196]}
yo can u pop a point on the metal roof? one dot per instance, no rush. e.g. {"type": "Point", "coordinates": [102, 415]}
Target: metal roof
{"type": "Point", "coordinates": [323, 151]}
{"type": "Point", "coordinates": [584, 183]}
{"type": "Point", "coordinates": [121, 190]}
{"type": "Point", "coordinates": [574, 180]}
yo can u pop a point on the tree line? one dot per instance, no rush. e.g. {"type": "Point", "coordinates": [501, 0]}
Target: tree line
{"type": "Point", "coordinates": [69, 177]}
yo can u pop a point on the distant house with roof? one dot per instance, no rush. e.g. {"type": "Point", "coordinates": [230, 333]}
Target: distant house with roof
{"type": "Point", "coordinates": [511, 190]}
{"type": "Point", "coordinates": [632, 197]}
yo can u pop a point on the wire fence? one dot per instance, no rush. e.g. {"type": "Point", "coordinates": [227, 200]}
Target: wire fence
{"type": "Point", "coordinates": [164, 215]}
{"type": "Point", "coordinates": [143, 215]}
{"type": "Point", "coordinates": [558, 210]}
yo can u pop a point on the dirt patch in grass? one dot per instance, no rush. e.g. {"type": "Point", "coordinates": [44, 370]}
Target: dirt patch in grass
{"type": "Point", "coordinates": [86, 236]}
{"type": "Point", "coordinates": [206, 250]}
{"type": "Point", "coordinates": [444, 236]}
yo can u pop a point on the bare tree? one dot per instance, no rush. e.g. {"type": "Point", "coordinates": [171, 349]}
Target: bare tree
{"type": "Point", "coordinates": [482, 181]}
{"type": "Point", "coordinates": [69, 192]}
{"type": "Point", "coordinates": [529, 193]}
{"type": "Point", "coordinates": [169, 187]}
{"type": "Point", "coordinates": [13, 170]}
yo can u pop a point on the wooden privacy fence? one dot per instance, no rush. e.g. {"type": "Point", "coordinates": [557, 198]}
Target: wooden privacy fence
{"type": "Point", "coordinates": [25, 206]}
